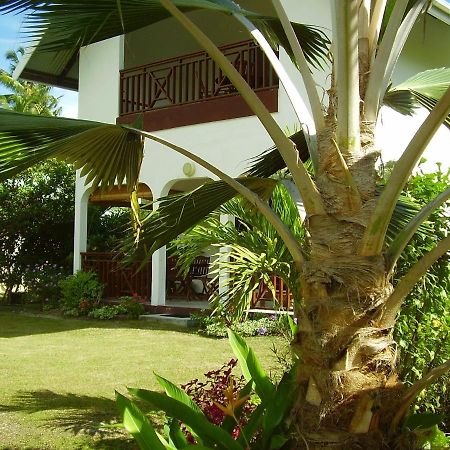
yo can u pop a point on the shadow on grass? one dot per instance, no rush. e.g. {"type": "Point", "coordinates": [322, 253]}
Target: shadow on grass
{"type": "Point", "coordinates": [79, 414]}
{"type": "Point", "coordinates": [16, 323]}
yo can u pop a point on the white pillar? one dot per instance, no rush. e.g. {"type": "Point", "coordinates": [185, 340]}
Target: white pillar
{"type": "Point", "coordinates": [224, 275]}
{"type": "Point", "coordinates": [80, 228]}
{"type": "Point", "coordinates": [158, 297]}
{"type": "Point", "coordinates": [159, 277]}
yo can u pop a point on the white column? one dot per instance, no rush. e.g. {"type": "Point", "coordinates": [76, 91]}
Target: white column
{"type": "Point", "coordinates": [80, 229]}
{"type": "Point", "coordinates": [158, 297]}
{"type": "Point", "coordinates": [159, 277]}
{"type": "Point", "coordinates": [224, 251]}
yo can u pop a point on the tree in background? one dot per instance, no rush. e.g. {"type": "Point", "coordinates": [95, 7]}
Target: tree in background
{"type": "Point", "coordinates": [36, 221]}
{"type": "Point", "coordinates": [26, 96]}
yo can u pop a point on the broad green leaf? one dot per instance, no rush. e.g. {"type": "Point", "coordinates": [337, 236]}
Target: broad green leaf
{"type": "Point", "coordinates": [251, 367]}
{"type": "Point", "coordinates": [292, 325]}
{"type": "Point", "coordinates": [286, 395]}
{"type": "Point", "coordinates": [209, 433]}
{"type": "Point", "coordinates": [424, 420]}
{"type": "Point", "coordinates": [277, 441]}
{"type": "Point", "coordinates": [423, 89]}
{"type": "Point", "coordinates": [137, 424]}
{"type": "Point", "coordinates": [176, 435]}
{"type": "Point", "coordinates": [178, 394]}
{"type": "Point", "coordinates": [431, 83]}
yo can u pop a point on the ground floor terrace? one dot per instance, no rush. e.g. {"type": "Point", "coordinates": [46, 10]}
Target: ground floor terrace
{"type": "Point", "coordinates": [186, 292]}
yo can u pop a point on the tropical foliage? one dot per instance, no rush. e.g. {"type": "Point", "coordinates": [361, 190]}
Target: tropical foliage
{"type": "Point", "coordinates": [239, 427]}
{"type": "Point", "coordinates": [422, 330]}
{"type": "Point", "coordinates": [26, 96]}
{"type": "Point", "coordinates": [346, 306]}
{"type": "Point", "coordinates": [36, 226]}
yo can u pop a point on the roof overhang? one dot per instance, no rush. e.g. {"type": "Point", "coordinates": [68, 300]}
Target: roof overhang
{"type": "Point", "coordinates": [56, 68]}
{"type": "Point", "coordinates": [441, 10]}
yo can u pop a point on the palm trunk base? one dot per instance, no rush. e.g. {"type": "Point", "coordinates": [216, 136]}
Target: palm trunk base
{"type": "Point", "coordinates": [350, 416]}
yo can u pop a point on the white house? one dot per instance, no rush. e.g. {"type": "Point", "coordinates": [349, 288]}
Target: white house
{"type": "Point", "coordinates": [161, 72]}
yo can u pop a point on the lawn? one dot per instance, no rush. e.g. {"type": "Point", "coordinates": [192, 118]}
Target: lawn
{"type": "Point", "coordinates": [58, 376]}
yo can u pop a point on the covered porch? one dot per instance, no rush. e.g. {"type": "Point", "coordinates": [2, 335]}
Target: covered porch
{"type": "Point", "coordinates": [187, 293]}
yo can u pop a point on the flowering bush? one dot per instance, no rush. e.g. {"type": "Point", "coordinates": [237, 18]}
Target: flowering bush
{"type": "Point", "coordinates": [218, 388]}
{"type": "Point", "coordinates": [275, 325]}
{"type": "Point", "coordinates": [80, 293]}
{"type": "Point", "coordinates": [133, 306]}
{"type": "Point", "coordinates": [41, 283]}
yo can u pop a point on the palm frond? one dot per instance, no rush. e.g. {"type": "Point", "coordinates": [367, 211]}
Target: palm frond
{"type": "Point", "coordinates": [405, 209]}
{"type": "Point", "coordinates": [423, 89]}
{"type": "Point", "coordinates": [64, 24]}
{"type": "Point", "coordinates": [269, 162]}
{"type": "Point", "coordinates": [177, 213]}
{"type": "Point", "coordinates": [254, 254]}
{"type": "Point", "coordinates": [315, 43]}
{"type": "Point", "coordinates": [107, 154]}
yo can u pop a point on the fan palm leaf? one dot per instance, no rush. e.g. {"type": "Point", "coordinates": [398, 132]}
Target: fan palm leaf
{"type": "Point", "coordinates": [91, 22]}
{"type": "Point", "coordinates": [423, 89]}
{"type": "Point", "coordinates": [107, 154]}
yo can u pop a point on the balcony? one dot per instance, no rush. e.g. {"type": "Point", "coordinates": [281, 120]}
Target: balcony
{"type": "Point", "coordinates": [192, 89]}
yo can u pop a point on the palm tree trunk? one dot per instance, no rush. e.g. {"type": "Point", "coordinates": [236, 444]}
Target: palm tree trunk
{"type": "Point", "coordinates": [348, 383]}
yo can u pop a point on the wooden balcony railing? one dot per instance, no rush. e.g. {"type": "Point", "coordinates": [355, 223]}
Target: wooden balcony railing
{"type": "Point", "coordinates": [192, 79]}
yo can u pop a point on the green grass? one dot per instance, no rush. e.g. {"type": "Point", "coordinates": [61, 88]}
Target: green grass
{"type": "Point", "coordinates": [58, 376]}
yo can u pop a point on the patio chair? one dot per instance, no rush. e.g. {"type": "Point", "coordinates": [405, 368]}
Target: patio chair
{"type": "Point", "coordinates": [199, 270]}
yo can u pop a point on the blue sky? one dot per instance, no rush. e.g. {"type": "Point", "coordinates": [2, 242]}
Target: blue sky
{"type": "Point", "coordinates": [10, 38]}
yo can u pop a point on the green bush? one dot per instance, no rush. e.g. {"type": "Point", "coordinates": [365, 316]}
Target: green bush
{"type": "Point", "coordinates": [423, 328]}
{"type": "Point", "coordinates": [133, 306]}
{"type": "Point", "coordinates": [81, 292]}
{"type": "Point", "coordinates": [36, 222]}
{"type": "Point", "coordinates": [107, 312]}
{"type": "Point", "coordinates": [216, 326]}
{"type": "Point", "coordinates": [41, 283]}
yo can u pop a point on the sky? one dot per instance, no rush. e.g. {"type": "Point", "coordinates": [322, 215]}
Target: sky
{"type": "Point", "coordinates": [11, 39]}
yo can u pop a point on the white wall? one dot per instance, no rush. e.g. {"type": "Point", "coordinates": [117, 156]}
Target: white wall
{"type": "Point", "coordinates": [98, 99]}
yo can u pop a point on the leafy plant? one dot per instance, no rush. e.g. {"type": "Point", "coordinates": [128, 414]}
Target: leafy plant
{"type": "Point", "coordinates": [210, 396]}
{"type": "Point", "coordinates": [36, 223]}
{"type": "Point", "coordinates": [42, 284]}
{"type": "Point", "coordinates": [255, 251]}
{"type": "Point", "coordinates": [423, 327]}
{"type": "Point", "coordinates": [133, 306]}
{"type": "Point", "coordinates": [80, 292]}
{"type": "Point", "coordinates": [261, 427]}
{"type": "Point", "coordinates": [106, 312]}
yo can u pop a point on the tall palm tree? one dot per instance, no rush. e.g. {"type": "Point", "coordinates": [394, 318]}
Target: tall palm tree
{"type": "Point", "coordinates": [26, 96]}
{"type": "Point", "coordinates": [346, 306]}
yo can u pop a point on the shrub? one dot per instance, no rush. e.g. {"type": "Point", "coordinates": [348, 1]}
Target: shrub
{"type": "Point", "coordinates": [133, 306]}
{"type": "Point", "coordinates": [81, 292]}
{"type": "Point", "coordinates": [36, 221]}
{"type": "Point", "coordinates": [106, 312]}
{"type": "Point", "coordinates": [423, 328]}
{"type": "Point", "coordinates": [211, 392]}
{"type": "Point", "coordinates": [41, 283]}
{"type": "Point", "coordinates": [216, 326]}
